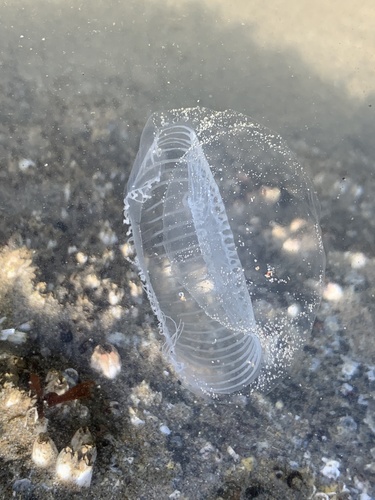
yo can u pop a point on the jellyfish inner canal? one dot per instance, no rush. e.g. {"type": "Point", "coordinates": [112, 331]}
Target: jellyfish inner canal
{"type": "Point", "coordinates": [205, 303]}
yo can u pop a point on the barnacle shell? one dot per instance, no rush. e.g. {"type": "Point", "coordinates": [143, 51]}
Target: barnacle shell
{"type": "Point", "coordinates": [44, 451]}
{"type": "Point", "coordinates": [106, 360]}
{"type": "Point", "coordinates": [75, 463]}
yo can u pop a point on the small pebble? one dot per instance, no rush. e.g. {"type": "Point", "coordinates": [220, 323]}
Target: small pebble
{"type": "Point", "coordinates": [371, 374]}
{"type": "Point", "coordinates": [136, 291]}
{"type": "Point", "coordinates": [358, 260]}
{"type": "Point", "coordinates": [362, 399]}
{"type": "Point", "coordinates": [23, 487]}
{"type": "Point", "coordinates": [346, 389]}
{"type": "Point", "coordinates": [118, 339]}
{"type": "Point", "coordinates": [346, 425]}
{"type": "Point", "coordinates": [349, 368]}
{"type": "Point", "coordinates": [333, 292]}
{"type": "Point", "coordinates": [207, 450]}
{"type": "Point", "coordinates": [81, 258]}
{"type": "Point", "coordinates": [332, 324]}
{"type": "Point", "coordinates": [271, 194]}
{"type": "Point", "coordinates": [294, 310]}
{"type": "Point", "coordinates": [72, 249]}
{"type": "Point", "coordinates": [164, 429]}
{"type": "Point", "coordinates": [25, 327]}
{"type": "Point", "coordinates": [370, 419]}
{"type": "Point", "coordinates": [115, 408]}
{"type": "Point", "coordinates": [115, 296]}
{"type": "Point", "coordinates": [331, 468]}
{"type": "Point", "coordinates": [176, 494]}
{"type": "Point", "coordinates": [14, 397]}
{"type": "Point", "coordinates": [66, 335]}
{"type": "Point", "coordinates": [233, 454]}
{"type": "Point", "coordinates": [134, 419]}
{"type": "Point", "coordinates": [92, 281]}
{"type": "Point", "coordinates": [127, 250]}
{"type": "Point", "coordinates": [107, 235]}
{"type": "Point", "coordinates": [25, 164]}
{"type": "Point", "coordinates": [71, 376]}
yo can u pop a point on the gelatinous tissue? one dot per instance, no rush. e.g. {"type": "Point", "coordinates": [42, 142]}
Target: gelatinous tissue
{"type": "Point", "coordinates": [225, 225]}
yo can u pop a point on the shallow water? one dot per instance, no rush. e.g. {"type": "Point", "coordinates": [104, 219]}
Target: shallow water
{"type": "Point", "coordinates": [78, 81]}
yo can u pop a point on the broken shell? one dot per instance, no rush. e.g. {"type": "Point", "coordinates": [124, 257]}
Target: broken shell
{"type": "Point", "coordinates": [106, 360]}
{"type": "Point", "coordinates": [44, 450]}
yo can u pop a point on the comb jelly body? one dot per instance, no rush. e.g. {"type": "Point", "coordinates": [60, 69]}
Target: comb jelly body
{"type": "Point", "coordinates": [226, 232]}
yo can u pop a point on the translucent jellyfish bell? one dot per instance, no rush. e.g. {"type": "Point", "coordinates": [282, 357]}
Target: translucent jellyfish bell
{"type": "Point", "coordinates": [226, 231]}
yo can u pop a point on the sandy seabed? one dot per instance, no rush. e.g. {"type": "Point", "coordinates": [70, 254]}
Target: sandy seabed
{"type": "Point", "coordinates": [77, 83]}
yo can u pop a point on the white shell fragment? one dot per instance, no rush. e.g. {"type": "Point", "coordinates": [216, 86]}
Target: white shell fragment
{"type": "Point", "coordinates": [330, 469]}
{"type": "Point", "coordinates": [106, 360]}
{"type": "Point", "coordinates": [25, 164]}
{"type": "Point", "coordinates": [44, 451]}
{"type": "Point", "coordinates": [75, 462]}
{"type": "Point", "coordinates": [164, 429]}
{"type": "Point", "coordinates": [14, 336]}
{"type": "Point", "coordinates": [225, 226]}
